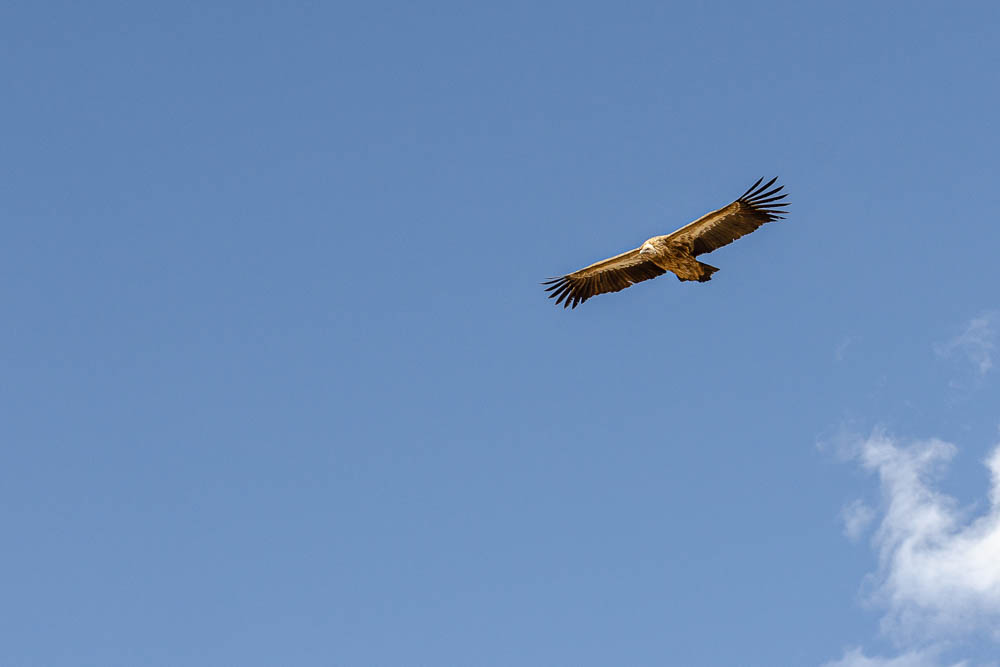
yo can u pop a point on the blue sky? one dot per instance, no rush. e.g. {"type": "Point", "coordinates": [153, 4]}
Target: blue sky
{"type": "Point", "coordinates": [280, 385]}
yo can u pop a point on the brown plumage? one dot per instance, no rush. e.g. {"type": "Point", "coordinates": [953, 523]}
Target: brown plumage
{"type": "Point", "coordinates": [674, 252]}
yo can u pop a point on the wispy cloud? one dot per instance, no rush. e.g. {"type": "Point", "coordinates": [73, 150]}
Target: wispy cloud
{"type": "Point", "coordinates": [926, 658]}
{"type": "Point", "coordinates": [841, 349]}
{"type": "Point", "coordinates": [976, 343]}
{"type": "Point", "coordinates": [939, 566]}
{"type": "Point", "coordinates": [857, 517]}
{"type": "Point", "coordinates": [940, 572]}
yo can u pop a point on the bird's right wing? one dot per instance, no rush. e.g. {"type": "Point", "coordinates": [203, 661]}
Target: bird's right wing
{"type": "Point", "coordinates": [754, 207]}
{"type": "Point", "coordinates": [609, 275]}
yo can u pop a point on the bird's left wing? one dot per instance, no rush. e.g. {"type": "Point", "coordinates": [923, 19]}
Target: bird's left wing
{"type": "Point", "coordinates": [609, 275]}
{"type": "Point", "coordinates": [718, 228]}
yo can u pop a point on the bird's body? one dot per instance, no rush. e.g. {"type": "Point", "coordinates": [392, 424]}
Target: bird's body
{"type": "Point", "coordinates": [674, 252]}
{"type": "Point", "coordinates": [676, 256]}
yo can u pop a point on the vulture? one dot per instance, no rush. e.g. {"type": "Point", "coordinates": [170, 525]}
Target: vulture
{"type": "Point", "coordinates": [674, 252]}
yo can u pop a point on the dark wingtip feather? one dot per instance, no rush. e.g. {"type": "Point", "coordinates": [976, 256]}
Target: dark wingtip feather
{"type": "Point", "coordinates": [758, 190]}
{"type": "Point", "coordinates": [751, 188]}
{"type": "Point", "coordinates": [765, 200]}
{"type": "Point", "coordinates": [567, 293]}
{"type": "Point", "coordinates": [768, 184]}
{"type": "Point", "coordinates": [553, 287]}
{"type": "Point", "coordinates": [768, 200]}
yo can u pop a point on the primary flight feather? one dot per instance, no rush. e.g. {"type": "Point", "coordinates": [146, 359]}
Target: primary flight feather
{"type": "Point", "coordinates": [674, 252]}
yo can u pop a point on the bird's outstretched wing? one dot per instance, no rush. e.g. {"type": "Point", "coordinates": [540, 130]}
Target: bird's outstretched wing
{"type": "Point", "coordinates": [718, 228]}
{"type": "Point", "coordinates": [609, 275]}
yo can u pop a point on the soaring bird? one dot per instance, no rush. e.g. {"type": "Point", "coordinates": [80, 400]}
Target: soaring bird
{"type": "Point", "coordinates": [674, 252]}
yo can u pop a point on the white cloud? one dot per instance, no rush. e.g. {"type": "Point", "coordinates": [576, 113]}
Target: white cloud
{"type": "Point", "coordinates": [926, 658]}
{"type": "Point", "coordinates": [977, 342]}
{"type": "Point", "coordinates": [939, 564]}
{"type": "Point", "coordinates": [841, 349]}
{"type": "Point", "coordinates": [857, 517]}
{"type": "Point", "coordinates": [939, 570]}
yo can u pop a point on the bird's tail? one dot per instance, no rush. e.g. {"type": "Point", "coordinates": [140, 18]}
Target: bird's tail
{"type": "Point", "coordinates": [706, 272]}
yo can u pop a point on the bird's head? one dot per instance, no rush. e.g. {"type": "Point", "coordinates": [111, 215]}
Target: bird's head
{"type": "Point", "coordinates": [647, 249]}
